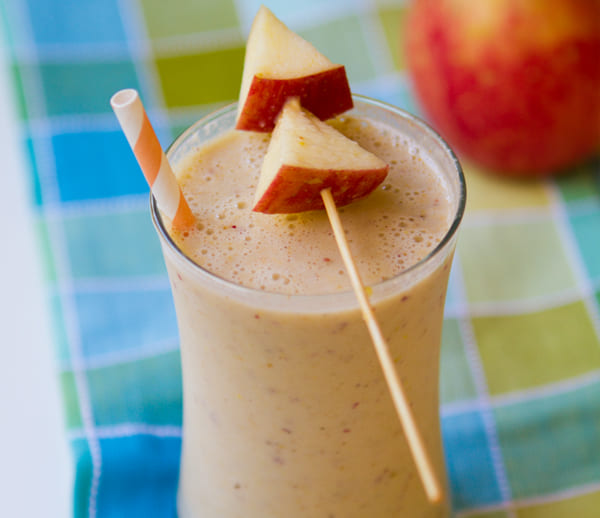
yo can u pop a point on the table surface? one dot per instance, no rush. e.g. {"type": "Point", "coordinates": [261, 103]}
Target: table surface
{"type": "Point", "coordinates": [34, 448]}
{"type": "Point", "coordinates": [521, 356]}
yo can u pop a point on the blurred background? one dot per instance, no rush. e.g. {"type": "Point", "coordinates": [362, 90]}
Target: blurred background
{"type": "Point", "coordinates": [89, 376]}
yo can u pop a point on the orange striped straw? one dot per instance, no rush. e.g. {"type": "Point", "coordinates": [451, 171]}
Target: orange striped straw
{"type": "Point", "coordinates": [150, 156]}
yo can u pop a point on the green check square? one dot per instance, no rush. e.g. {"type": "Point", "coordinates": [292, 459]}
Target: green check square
{"type": "Point", "coordinates": [550, 443]}
{"type": "Point", "coordinates": [59, 333]}
{"type": "Point", "coordinates": [580, 185]}
{"type": "Point", "coordinates": [586, 229]}
{"type": "Point", "coordinates": [182, 17]}
{"type": "Point", "coordinates": [528, 350]}
{"type": "Point", "coordinates": [19, 90]}
{"type": "Point", "coordinates": [489, 514]}
{"type": "Point", "coordinates": [456, 380]}
{"type": "Point", "coordinates": [70, 400]}
{"type": "Point", "coordinates": [44, 248]}
{"type": "Point", "coordinates": [582, 506]}
{"type": "Point", "coordinates": [35, 185]}
{"type": "Point", "coordinates": [392, 21]}
{"type": "Point", "coordinates": [84, 468]}
{"type": "Point", "coordinates": [504, 262]}
{"type": "Point", "coordinates": [119, 244]}
{"type": "Point", "coordinates": [342, 41]}
{"type": "Point", "coordinates": [206, 78]}
{"type": "Point", "coordinates": [5, 28]}
{"type": "Point", "coordinates": [76, 87]}
{"type": "Point", "coordinates": [146, 390]}
{"type": "Point", "coordinates": [183, 119]}
{"type": "Point", "coordinates": [181, 125]}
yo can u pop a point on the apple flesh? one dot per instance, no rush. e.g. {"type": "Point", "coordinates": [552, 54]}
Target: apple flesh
{"type": "Point", "coordinates": [305, 156]}
{"type": "Point", "coordinates": [512, 85]}
{"type": "Point", "coordinates": [278, 65]}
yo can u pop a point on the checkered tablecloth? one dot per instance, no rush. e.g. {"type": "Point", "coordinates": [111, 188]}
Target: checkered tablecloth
{"type": "Point", "coordinates": [521, 343]}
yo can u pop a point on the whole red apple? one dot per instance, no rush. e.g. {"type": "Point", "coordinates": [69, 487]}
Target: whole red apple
{"type": "Point", "coordinates": [513, 85]}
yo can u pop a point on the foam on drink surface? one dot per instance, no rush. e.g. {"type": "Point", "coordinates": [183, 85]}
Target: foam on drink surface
{"type": "Point", "coordinates": [397, 225]}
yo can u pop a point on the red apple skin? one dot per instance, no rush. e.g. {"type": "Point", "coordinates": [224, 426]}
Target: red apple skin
{"type": "Point", "coordinates": [520, 96]}
{"type": "Point", "coordinates": [298, 189]}
{"type": "Point", "coordinates": [325, 94]}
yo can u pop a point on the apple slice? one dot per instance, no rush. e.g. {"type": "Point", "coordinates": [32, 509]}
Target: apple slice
{"type": "Point", "coordinates": [280, 64]}
{"type": "Point", "coordinates": [305, 156]}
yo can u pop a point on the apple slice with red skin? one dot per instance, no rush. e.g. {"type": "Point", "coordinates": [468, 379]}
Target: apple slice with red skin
{"type": "Point", "coordinates": [305, 156]}
{"type": "Point", "coordinates": [280, 64]}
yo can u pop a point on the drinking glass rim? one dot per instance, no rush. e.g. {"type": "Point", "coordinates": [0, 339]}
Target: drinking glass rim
{"type": "Point", "coordinates": [334, 300]}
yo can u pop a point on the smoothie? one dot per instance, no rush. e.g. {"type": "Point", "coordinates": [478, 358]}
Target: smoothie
{"type": "Point", "coordinates": [286, 410]}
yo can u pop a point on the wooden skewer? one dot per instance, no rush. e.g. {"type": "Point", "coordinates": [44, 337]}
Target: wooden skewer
{"type": "Point", "coordinates": [415, 442]}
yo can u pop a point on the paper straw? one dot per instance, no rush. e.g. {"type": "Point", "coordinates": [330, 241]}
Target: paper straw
{"type": "Point", "coordinates": [152, 160]}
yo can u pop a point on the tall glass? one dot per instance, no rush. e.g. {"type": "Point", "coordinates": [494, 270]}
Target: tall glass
{"type": "Point", "coordinates": [286, 412]}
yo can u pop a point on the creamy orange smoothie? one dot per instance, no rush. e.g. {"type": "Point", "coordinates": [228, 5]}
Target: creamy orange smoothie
{"type": "Point", "coordinates": [286, 410]}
